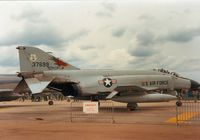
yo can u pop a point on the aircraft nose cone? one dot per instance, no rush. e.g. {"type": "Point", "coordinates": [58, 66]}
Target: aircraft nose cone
{"type": "Point", "coordinates": [194, 85]}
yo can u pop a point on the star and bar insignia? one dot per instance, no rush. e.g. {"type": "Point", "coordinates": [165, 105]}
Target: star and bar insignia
{"type": "Point", "coordinates": [107, 82]}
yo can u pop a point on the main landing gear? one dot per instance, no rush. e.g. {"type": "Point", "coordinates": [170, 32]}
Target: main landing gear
{"type": "Point", "coordinates": [51, 102]}
{"type": "Point", "coordinates": [132, 106]}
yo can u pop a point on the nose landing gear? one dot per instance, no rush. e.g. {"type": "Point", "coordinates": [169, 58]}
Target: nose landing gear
{"type": "Point", "coordinates": [132, 106]}
{"type": "Point", "coordinates": [179, 103]}
{"type": "Point", "coordinates": [179, 96]}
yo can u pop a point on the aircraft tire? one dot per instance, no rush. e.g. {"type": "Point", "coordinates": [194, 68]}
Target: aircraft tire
{"type": "Point", "coordinates": [50, 102]}
{"type": "Point", "coordinates": [179, 103]}
{"type": "Point", "coordinates": [132, 106]}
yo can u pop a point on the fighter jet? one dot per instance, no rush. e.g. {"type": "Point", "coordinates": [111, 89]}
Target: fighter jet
{"type": "Point", "coordinates": [8, 95]}
{"type": "Point", "coordinates": [7, 85]}
{"type": "Point", "coordinates": [40, 70]}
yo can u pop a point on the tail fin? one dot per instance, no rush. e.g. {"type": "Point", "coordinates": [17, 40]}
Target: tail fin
{"type": "Point", "coordinates": [36, 60]}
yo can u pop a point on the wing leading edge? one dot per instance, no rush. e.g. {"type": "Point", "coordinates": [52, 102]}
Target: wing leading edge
{"type": "Point", "coordinates": [130, 89]}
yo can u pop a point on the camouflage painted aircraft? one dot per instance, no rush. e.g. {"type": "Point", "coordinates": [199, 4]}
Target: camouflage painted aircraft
{"type": "Point", "coordinates": [7, 85]}
{"type": "Point", "coordinates": [40, 70]}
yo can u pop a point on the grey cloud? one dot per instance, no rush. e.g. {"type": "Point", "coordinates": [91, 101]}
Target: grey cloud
{"type": "Point", "coordinates": [181, 36]}
{"type": "Point", "coordinates": [38, 31]}
{"type": "Point", "coordinates": [42, 34]}
{"type": "Point", "coordinates": [119, 32]}
{"type": "Point", "coordinates": [109, 6]}
{"type": "Point", "coordinates": [145, 46]}
{"type": "Point", "coordinates": [145, 38]}
{"type": "Point", "coordinates": [107, 11]}
{"type": "Point", "coordinates": [29, 15]}
{"type": "Point", "coordinates": [142, 51]}
{"type": "Point", "coordinates": [34, 35]}
{"type": "Point", "coordinates": [142, 63]}
{"type": "Point", "coordinates": [77, 35]}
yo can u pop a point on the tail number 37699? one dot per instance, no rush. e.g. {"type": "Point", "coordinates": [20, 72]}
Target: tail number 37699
{"type": "Point", "coordinates": [40, 64]}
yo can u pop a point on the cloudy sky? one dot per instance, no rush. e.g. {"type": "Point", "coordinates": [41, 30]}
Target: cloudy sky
{"type": "Point", "coordinates": [137, 34]}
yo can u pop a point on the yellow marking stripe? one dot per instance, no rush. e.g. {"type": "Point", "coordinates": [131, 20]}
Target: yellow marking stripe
{"type": "Point", "coordinates": [183, 117]}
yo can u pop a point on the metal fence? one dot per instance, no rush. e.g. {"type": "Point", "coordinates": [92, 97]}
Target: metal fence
{"type": "Point", "coordinates": [189, 112]}
{"type": "Point", "coordinates": [153, 113]}
{"type": "Point", "coordinates": [115, 112]}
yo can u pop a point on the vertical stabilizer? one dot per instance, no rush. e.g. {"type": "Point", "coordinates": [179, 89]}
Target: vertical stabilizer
{"type": "Point", "coordinates": [36, 60]}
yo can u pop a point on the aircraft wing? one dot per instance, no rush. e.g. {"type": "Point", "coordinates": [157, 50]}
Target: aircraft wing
{"type": "Point", "coordinates": [129, 90]}
{"type": "Point", "coordinates": [134, 88]}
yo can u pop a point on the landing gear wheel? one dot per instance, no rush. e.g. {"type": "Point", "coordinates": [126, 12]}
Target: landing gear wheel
{"type": "Point", "coordinates": [179, 103]}
{"type": "Point", "coordinates": [50, 102]}
{"type": "Point", "coordinates": [68, 100]}
{"type": "Point", "coordinates": [132, 106]}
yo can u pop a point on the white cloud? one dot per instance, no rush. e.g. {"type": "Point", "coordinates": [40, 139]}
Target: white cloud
{"type": "Point", "coordinates": [113, 34]}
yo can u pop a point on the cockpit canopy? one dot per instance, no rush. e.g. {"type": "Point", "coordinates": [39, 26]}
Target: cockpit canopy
{"type": "Point", "coordinates": [167, 72]}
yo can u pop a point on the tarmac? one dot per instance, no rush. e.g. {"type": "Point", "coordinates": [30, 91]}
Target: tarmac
{"type": "Point", "coordinates": [64, 120]}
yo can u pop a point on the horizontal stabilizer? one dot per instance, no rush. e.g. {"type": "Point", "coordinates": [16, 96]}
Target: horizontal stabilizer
{"type": "Point", "coordinates": [36, 86]}
{"type": "Point", "coordinates": [21, 87]}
